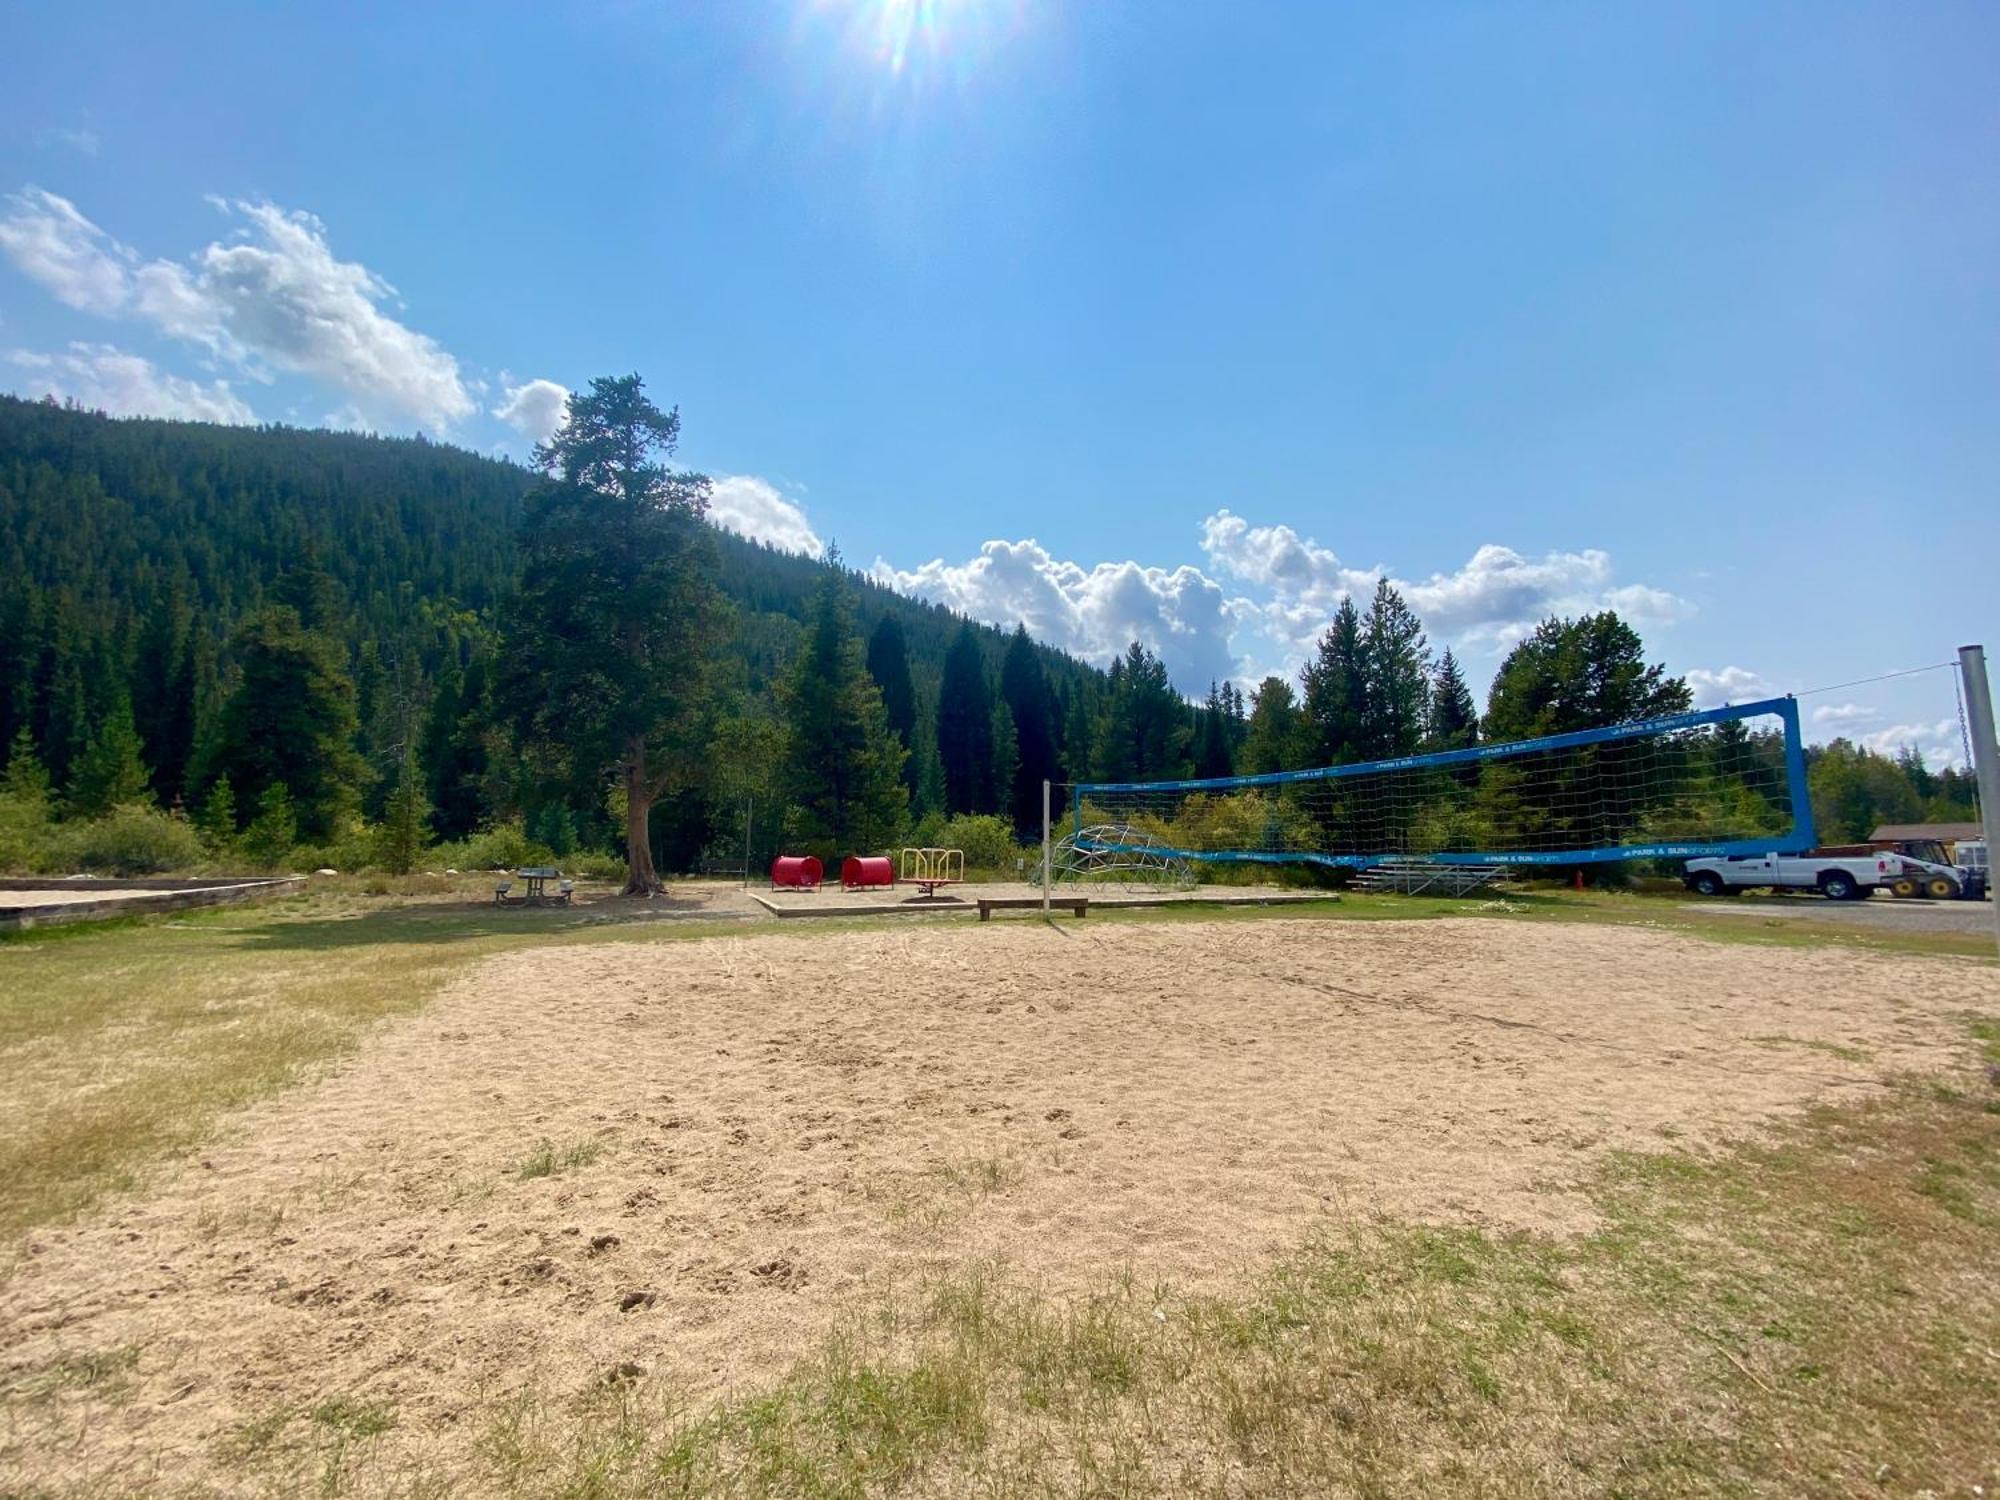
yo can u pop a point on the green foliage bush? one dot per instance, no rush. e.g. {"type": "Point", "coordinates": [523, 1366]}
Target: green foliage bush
{"type": "Point", "coordinates": [504, 846]}
{"type": "Point", "coordinates": [132, 839]}
{"type": "Point", "coordinates": [25, 833]}
{"type": "Point", "coordinates": [988, 841]}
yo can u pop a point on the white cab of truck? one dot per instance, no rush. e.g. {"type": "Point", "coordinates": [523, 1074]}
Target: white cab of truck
{"type": "Point", "coordinates": [1847, 877]}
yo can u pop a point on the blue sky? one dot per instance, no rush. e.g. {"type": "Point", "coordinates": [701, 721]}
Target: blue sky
{"type": "Point", "coordinates": [1157, 319]}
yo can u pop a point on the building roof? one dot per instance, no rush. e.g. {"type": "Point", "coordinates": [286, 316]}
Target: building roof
{"type": "Point", "coordinates": [1944, 833]}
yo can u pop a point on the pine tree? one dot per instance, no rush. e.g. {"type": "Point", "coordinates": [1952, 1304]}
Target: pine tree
{"type": "Point", "coordinates": [24, 806]}
{"type": "Point", "coordinates": [1212, 757]}
{"type": "Point", "coordinates": [930, 773]}
{"type": "Point", "coordinates": [965, 728]}
{"type": "Point", "coordinates": [273, 833]}
{"type": "Point", "coordinates": [1396, 662]}
{"type": "Point", "coordinates": [1007, 762]}
{"type": "Point", "coordinates": [843, 768]}
{"type": "Point", "coordinates": [1024, 688]}
{"type": "Point", "coordinates": [1578, 674]}
{"type": "Point", "coordinates": [1454, 722]}
{"type": "Point", "coordinates": [1079, 749]}
{"type": "Point", "coordinates": [163, 696]}
{"type": "Point", "coordinates": [616, 613]}
{"type": "Point", "coordinates": [1336, 692]}
{"type": "Point", "coordinates": [110, 772]}
{"type": "Point", "coordinates": [403, 833]}
{"type": "Point", "coordinates": [26, 779]}
{"type": "Point", "coordinates": [1274, 739]}
{"type": "Point", "coordinates": [1144, 732]}
{"type": "Point", "coordinates": [291, 723]}
{"type": "Point", "coordinates": [216, 821]}
{"type": "Point", "coordinates": [889, 665]}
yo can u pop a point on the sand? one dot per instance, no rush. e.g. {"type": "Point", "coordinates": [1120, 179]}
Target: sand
{"type": "Point", "coordinates": [788, 1123]}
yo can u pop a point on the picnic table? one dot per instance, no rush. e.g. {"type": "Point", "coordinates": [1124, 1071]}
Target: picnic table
{"type": "Point", "coordinates": [537, 878]}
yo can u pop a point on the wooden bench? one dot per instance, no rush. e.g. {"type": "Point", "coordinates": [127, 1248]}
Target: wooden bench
{"type": "Point", "coordinates": [987, 904]}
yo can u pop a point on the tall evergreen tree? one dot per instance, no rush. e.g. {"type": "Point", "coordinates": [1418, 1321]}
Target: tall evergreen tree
{"type": "Point", "coordinates": [110, 772]}
{"type": "Point", "coordinates": [163, 695]}
{"type": "Point", "coordinates": [616, 611]}
{"type": "Point", "coordinates": [1007, 763]}
{"type": "Point", "coordinates": [1212, 757]}
{"type": "Point", "coordinates": [965, 728]}
{"type": "Point", "coordinates": [1579, 674]}
{"type": "Point", "coordinates": [291, 722]}
{"type": "Point", "coordinates": [843, 767]}
{"type": "Point", "coordinates": [1079, 744]}
{"type": "Point", "coordinates": [1144, 733]}
{"type": "Point", "coordinates": [1024, 688]}
{"type": "Point", "coordinates": [889, 665]}
{"type": "Point", "coordinates": [1396, 661]}
{"type": "Point", "coordinates": [1454, 722]}
{"type": "Point", "coordinates": [1275, 737]}
{"type": "Point", "coordinates": [1336, 688]}
{"type": "Point", "coordinates": [401, 838]}
{"type": "Point", "coordinates": [929, 796]}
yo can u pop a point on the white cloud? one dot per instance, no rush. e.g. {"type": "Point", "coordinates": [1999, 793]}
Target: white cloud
{"type": "Point", "coordinates": [1938, 742]}
{"type": "Point", "coordinates": [535, 408]}
{"type": "Point", "coordinates": [53, 244]}
{"type": "Point", "coordinates": [1712, 689]}
{"type": "Point", "coordinates": [1097, 612]}
{"type": "Point", "coordinates": [126, 385]}
{"type": "Point", "coordinates": [1292, 586]}
{"type": "Point", "coordinates": [1497, 596]}
{"type": "Point", "coordinates": [286, 299]}
{"type": "Point", "coordinates": [1845, 715]}
{"type": "Point", "coordinates": [276, 296]}
{"type": "Point", "coordinates": [1280, 559]}
{"type": "Point", "coordinates": [752, 507]}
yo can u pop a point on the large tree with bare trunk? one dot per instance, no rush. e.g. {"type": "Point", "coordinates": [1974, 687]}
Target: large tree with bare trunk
{"type": "Point", "coordinates": [617, 613]}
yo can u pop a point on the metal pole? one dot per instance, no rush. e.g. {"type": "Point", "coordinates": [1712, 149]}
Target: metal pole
{"type": "Point", "coordinates": [749, 810]}
{"type": "Point", "coordinates": [1985, 757]}
{"type": "Point", "coordinates": [1045, 847]}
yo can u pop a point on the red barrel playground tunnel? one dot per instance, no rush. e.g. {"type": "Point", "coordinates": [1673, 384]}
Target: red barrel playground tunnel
{"type": "Point", "coordinates": [797, 872]}
{"type": "Point", "coordinates": [861, 872]}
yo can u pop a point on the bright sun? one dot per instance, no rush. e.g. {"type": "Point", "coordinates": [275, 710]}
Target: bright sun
{"type": "Point", "coordinates": [899, 32]}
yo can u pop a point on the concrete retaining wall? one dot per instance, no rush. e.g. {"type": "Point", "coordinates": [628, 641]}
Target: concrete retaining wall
{"type": "Point", "coordinates": [127, 898]}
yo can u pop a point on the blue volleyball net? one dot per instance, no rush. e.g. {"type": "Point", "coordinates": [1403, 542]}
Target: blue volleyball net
{"type": "Point", "coordinates": [1722, 781]}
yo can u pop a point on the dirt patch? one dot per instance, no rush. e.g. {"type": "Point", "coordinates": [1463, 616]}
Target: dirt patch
{"type": "Point", "coordinates": [684, 1158]}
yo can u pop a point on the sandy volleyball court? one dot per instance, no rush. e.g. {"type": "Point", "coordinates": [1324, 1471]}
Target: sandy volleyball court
{"type": "Point", "coordinates": [744, 1135]}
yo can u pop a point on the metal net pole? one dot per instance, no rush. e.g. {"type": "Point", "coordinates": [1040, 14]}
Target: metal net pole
{"type": "Point", "coordinates": [1045, 846]}
{"type": "Point", "coordinates": [1985, 758]}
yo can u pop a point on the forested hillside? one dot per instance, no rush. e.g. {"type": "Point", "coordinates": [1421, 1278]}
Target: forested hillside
{"type": "Point", "coordinates": [133, 551]}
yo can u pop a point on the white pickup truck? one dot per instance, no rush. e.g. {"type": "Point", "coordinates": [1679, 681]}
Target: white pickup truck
{"type": "Point", "coordinates": [1838, 877]}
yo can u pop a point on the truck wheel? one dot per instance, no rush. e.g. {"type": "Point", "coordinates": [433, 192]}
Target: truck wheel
{"type": "Point", "coordinates": [1902, 885]}
{"type": "Point", "coordinates": [1838, 885]}
{"type": "Point", "coordinates": [1708, 883]}
{"type": "Point", "coordinates": [1938, 888]}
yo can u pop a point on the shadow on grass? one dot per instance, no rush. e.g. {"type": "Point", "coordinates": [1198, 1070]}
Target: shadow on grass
{"type": "Point", "coordinates": [476, 923]}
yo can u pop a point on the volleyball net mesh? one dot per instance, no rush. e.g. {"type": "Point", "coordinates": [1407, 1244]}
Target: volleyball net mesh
{"type": "Point", "coordinates": [1722, 781]}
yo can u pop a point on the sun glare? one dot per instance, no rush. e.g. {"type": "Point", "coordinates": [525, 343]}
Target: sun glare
{"type": "Point", "coordinates": [901, 35]}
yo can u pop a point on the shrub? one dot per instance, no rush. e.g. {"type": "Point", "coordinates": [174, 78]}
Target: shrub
{"type": "Point", "coordinates": [131, 839]}
{"type": "Point", "coordinates": [988, 841]}
{"type": "Point", "coordinates": [504, 846]}
{"type": "Point", "coordinates": [26, 833]}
